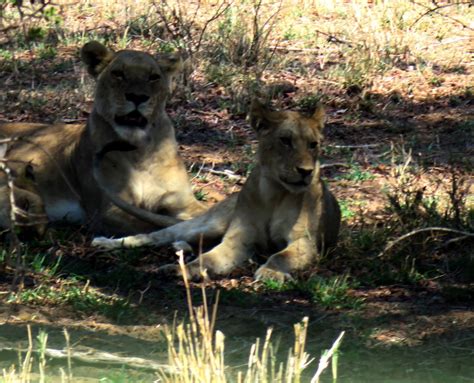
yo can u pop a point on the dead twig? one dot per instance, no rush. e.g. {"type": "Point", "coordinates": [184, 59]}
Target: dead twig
{"type": "Point", "coordinates": [463, 234]}
{"type": "Point", "coordinates": [454, 240]}
{"type": "Point", "coordinates": [14, 240]}
{"type": "Point", "coordinates": [143, 292]}
{"type": "Point", "coordinates": [333, 164]}
{"type": "Point", "coordinates": [228, 173]}
{"type": "Point", "coordinates": [93, 356]}
{"type": "Point", "coordinates": [221, 9]}
{"type": "Point", "coordinates": [293, 49]}
{"type": "Point", "coordinates": [333, 39]}
{"type": "Point", "coordinates": [453, 40]}
{"type": "Point", "coordinates": [365, 146]}
{"type": "Point", "coordinates": [180, 26]}
{"type": "Point", "coordinates": [437, 8]}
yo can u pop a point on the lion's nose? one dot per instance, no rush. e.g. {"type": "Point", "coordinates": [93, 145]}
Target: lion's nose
{"type": "Point", "coordinates": [304, 172]}
{"type": "Point", "coordinates": [137, 99]}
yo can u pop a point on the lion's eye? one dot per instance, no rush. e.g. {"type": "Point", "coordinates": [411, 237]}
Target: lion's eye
{"type": "Point", "coordinates": [286, 141]}
{"type": "Point", "coordinates": [154, 77]}
{"type": "Point", "coordinates": [313, 145]}
{"type": "Point", "coordinates": [118, 74]}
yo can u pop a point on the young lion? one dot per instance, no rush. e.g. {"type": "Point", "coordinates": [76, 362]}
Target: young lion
{"type": "Point", "coordinates": [129, 111]}
{"type": "Point", "coordinates": [284, 207]}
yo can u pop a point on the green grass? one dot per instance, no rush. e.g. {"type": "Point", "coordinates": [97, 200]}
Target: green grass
{"type": "Point", "coordinates": [356, 174]}
{"type": "Point", "coordinates": [80, 296]}
{"type": "Point", "coordinates": [330, 293]}
{"type": "Point", "coordinates": [200, 195]}
{"type": "Point", "coordinates": [271, 284]}
{"type": "Point", "coordinates": [346, 212]}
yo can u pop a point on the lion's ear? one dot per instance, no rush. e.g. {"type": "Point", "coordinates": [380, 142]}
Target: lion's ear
{"type": "Point", "coordinates": [172, 65]}
{"type": "Point", "coordinates": [96, 57]}
{"type": "Point", "coordinates": [319, 116]}
{"type": "Point", "coordinates": [262, 117]}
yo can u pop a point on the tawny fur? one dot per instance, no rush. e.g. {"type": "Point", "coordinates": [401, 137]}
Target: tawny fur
{"type": "Point", "coordinates": [284, 205]}
{"type": "Point", "coordinates": [131, 86]}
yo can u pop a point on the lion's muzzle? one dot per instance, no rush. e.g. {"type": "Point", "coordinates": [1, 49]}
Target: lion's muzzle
{"type": "Point", "coordinates": [132, 120]}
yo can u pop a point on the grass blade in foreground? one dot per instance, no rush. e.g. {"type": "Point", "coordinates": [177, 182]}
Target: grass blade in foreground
{"type": "Point", "coordinates": [196, 352]}
{"type": "Point", "coordinates": [195, 355]}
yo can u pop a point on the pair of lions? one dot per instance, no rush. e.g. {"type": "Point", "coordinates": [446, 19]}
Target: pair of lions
{"type": "Point", "coordinates": [121, 173]}
{"type": "Point", "coordinates": [284, 208]}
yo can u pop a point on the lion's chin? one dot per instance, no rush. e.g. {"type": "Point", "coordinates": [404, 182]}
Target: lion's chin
{"type": "Point", "coordinates": [137, 137]}
{"type": "Point", "coordinates": [295, 187]}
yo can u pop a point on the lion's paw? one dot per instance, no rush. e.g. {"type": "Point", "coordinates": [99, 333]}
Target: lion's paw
{"type": "Point", "coordinates": [264, 273]}
{"type": "Point", "coordinates": [106, 243]}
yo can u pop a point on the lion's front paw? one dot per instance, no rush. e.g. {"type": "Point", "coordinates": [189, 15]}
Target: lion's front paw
{"type": "Point", "coordinates": [106, 243]}
{"type": "Point", "coordinates": [265, 273]}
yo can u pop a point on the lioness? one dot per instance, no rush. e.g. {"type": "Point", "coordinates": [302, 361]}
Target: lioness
{"type": "Point", "coordinates": [284, 206]}
{"type": "Point", "coordinates": [129, 108]}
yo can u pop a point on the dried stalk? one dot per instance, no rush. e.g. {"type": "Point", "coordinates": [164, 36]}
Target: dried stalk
{"type": "Point", "coordinates": [14, 240]}
{"type": "Point", "coordinates": [437, 9]}
{"type": "Point", "coordinates": [464, 235]}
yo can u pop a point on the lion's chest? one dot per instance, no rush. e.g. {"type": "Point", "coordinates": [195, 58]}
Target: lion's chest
{"type": "Point", "coordinates": [151, 182]}
{"type": "Point", "coordinates": [285, 219]}
{"type": "Point", "coordinates": [146, 188]}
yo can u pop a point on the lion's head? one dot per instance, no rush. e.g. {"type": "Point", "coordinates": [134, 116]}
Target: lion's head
{"type": "Point", "coordinates": [131, 89]}
{"type": "Point", "coordinates": [289, 144]}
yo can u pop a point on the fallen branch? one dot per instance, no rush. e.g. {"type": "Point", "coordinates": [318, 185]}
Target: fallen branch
{"type": "Point", "coordinates": [454, 240]}
{"type": "Point", "coordinates": [330, 165]}
{"type": "Point", "coordinates": [333, 39]}
{"type": "Point", "coordinates": [448, 41]}
{"type": "Point", "coordinates": [101, 357]}
{"type": "Point", "coordinates": [228, 173]}
{"type": "Point", "coordinates": [294, 49]}
{"type": "Point", "coordinates": [463, 234]}
{"type": "Point", "coordinates": [365, 146]}
{"type": "Point", "coordinates": [437, 8]}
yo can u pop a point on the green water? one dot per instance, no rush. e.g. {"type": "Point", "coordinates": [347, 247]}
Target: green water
{"type": "Point", "coordinates": [439, 359]}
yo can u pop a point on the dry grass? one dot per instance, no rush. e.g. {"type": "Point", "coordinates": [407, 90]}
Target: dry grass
{"type": "Point", "coordinates": [195, 355]}
{"type": "Point", "coordinates": [323, 48]}
{"type": "Point", "coordinates": [351, 42]}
